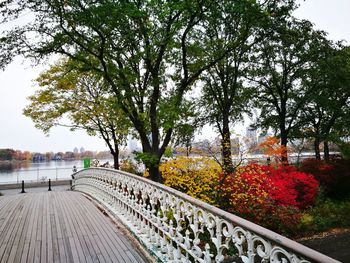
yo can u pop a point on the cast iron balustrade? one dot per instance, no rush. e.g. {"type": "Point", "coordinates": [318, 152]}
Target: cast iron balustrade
{"type": "Point", "coordinates": [178, 228]}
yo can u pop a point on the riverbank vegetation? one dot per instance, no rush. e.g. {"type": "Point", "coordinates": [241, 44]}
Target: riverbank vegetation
{"type": "Point", "coordinates": [8, 156]}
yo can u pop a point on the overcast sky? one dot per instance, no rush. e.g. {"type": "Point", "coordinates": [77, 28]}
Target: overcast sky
{"type": "Point", "coordinates": [16, 84]}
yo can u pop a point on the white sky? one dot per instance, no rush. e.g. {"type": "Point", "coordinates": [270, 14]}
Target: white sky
{"type": "Point", "coordinates": [16, 84]}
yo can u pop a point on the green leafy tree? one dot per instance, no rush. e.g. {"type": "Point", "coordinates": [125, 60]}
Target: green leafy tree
{"type": "Point", "coordinates": [82, 98]}
{"type": "Point", "coordinates": [149, 52]}
{"type": "Point", "coordinates": [326, 115]}
{"type": "Point", "coordinates": [282, 62]}
{"type": "Point", "coordinates": [224, 99]}
{"type": "Point", "coordinates": [185, 129]}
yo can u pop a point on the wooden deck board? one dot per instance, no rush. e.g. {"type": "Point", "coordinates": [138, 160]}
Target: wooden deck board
{"type": "Point", "coordinates": [59, 227]}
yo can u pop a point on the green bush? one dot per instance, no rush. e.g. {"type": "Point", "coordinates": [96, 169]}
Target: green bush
{"type": "Point", "coordinates": [325, 215]}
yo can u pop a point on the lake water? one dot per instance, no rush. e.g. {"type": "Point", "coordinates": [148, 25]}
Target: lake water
{"type": "Point", "coordinates": [34, 172]}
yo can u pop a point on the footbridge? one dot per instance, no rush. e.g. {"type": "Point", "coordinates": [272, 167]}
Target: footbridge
{"type": "Point", "coordinates": [174, 227]}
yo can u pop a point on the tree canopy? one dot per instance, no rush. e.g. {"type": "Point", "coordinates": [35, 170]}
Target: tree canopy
{"type": "Point", "coordinates": [84, 100]}
{"type": "Point", "coordinates": [282, 63]}
{"type": "Point", "coordinates": [134, 62]}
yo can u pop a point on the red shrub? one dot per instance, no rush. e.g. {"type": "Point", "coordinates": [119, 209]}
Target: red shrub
{"type": "Point", "coordinates": [268, 196]}
{"type": "Point", "coordinates": [319, 169]}
{"type": "Point", "coordinates": [334, 176]}
{"type": "Point", "coordinates": [292, 188]}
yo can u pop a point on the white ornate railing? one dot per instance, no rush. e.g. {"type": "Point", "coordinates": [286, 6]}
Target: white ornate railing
{"type": "Point", "coordinates": [178, 228]}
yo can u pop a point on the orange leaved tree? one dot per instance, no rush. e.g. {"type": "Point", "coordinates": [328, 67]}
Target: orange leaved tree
{"type": "Point", "coordinates": [274, 150]}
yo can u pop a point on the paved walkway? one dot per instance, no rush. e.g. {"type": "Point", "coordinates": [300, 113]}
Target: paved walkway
{"type": "Point", "coordinates": [336, 245]}
{"type": "Point", "coordinates": [59, 226]}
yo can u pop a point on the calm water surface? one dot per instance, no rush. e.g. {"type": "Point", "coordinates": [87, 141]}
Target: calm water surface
{"type": "Point", "coordinates": [27, 171]}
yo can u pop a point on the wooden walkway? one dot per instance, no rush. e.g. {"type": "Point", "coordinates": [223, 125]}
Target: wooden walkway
{"type": "Point", "coordinates": [59, 227]}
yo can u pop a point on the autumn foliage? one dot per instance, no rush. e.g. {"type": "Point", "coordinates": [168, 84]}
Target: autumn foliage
{"type": "Point", "coordinates": [291, 187]}
{"type": "Point", "coordinates": [196, 177]}
{"type": "Point", "coordinates": [272, 148]}
{"type": "Point", "coordinates": [270, 196]}
{"type": "Point", "coordinates": [333, 176]}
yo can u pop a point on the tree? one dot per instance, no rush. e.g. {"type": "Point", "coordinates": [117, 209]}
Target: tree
{"type": "Point", "coordinates": [282, 62]}
{"type": "Point", "coordinates": [185, 129]}
{"type": "Point", "coordinates": [83, 98]}
{"type": "Point", "coordinates": [326, 115]}
{"type": "Point", "coordinates": [225, 97]}
{"type": "Point", "coordinates": [7, 154]}
{"type": "Point", "coordinates": [149, 52]}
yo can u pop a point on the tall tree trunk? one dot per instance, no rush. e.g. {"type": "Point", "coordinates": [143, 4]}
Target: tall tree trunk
{"type": "Point", "coordinates": [153, 170]}
{"type": "Point", "coordinates": [317, 149]}
{"type": "Point", "coordinates": [284, 141]}
{"type": "Point", "coordinates": [326, 151]}
{"type": "Point", "coordinates": [226, 145]}
{"type": "Point", "coordinates": [116, 156]}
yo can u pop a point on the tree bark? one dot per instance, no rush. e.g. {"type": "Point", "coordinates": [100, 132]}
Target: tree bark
{"type": "Point", "coordinates": [116, 157]}
{"type": "Point", "coordinates": [153, 170]}
{"type": "Point", "coordinates": [284, 142]}
{"type": "Point", "coordinates": [317, 149]}
{"type": "Point", "coordinates": [226, 146]}
{"type": "Point", "coordinates": [326, 151]}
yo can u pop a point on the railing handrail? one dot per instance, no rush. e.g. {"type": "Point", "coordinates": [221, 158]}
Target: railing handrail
{"type": "Point", "coordinates": [263, 232]}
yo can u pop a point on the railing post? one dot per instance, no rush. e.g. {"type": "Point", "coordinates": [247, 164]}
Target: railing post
{"type": "Point", "coordinates": [22, 192]}
{"type": "Point", "coordinates": [49, 184]}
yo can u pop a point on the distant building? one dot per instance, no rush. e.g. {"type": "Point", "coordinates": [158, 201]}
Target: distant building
{"type": "Point", "coordinates": [75, 150]}
{"type": "Point", "coordinates": [252, 135]}
{"type": "Point", "coordinates": [82, 150]}
{"type": "Point", "coordinates": [38, 157]}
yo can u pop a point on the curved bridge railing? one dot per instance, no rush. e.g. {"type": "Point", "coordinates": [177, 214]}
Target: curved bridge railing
{"type": "Point", "coordinates": [178, 228]}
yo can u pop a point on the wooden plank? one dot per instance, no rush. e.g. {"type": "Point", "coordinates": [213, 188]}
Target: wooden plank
{"type": "Point", "coordinates": [103, 231]}
{"type": "Point", "coordinates": [68, 233]}
{"type": "Point", "coordinates": [44, 241]}
{"type": "Point", "coordinates": [64, 227]}
{"type": "Point", "coordinates": [65, 253]}
{"type": "Point", "coordinates": [79, 236]}
{"type": "Point", "coordinates": [120, 243]}
{"type": "Point", "coordinates": [17, 247]}
{"type": "Point", "coordinates": [7, 213]}
{"type": "Point", "coordinates": [12, 231]}
{"type": "Point", "coordinates": [27, 237]}
{"type": "Point", "coordinates": [59, 227]}
{"type": "Point", "coordinates": [49, 242]}
{"type": "Point", "coordinates": [86, 231]}
{"type": "Point", "coordinates": [77, 250]}
{"type": "Point", "coordinates": [115, 240]}
{"type": "Point", "coordinates": [38, 236]}
{"type": "Point", "coordinates": [34, 230]}
{"type": "Point", "coordinates": [56, 250]}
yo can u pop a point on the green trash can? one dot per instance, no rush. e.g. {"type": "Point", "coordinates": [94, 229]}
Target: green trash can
{"type": "Point", "coordinates": [86, 163]}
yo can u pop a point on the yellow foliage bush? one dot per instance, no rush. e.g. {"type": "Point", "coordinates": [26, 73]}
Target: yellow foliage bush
{"type": "Point", "coordinates": [197, 177]}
